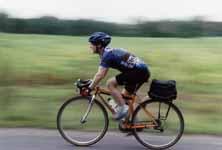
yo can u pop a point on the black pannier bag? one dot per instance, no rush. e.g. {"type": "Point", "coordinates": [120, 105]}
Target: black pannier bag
{"type": "Point", "coordinates": [163, 90]}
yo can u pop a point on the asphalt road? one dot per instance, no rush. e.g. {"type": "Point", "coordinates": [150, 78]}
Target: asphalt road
{"type": "Point", "coordinates": [41, 139]}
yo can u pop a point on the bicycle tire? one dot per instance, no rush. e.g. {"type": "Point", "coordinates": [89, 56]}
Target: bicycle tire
{"type": "Point", "coordinates": [162, 146]}
{"type": "Point", "coordinates": [76, 142]}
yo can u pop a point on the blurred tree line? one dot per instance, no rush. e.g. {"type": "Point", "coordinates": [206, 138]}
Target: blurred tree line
{"type": "Point", "coordinates": [53, 25]}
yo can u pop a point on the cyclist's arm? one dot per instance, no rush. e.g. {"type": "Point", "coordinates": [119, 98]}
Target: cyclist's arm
{"type": "Point", "coordinates": [102, 71]}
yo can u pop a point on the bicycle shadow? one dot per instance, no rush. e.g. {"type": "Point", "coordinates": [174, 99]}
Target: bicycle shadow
{"type": "Point", "coordinates": [112, 143]}
{"type": "Point", "coordinates": [106, 147]}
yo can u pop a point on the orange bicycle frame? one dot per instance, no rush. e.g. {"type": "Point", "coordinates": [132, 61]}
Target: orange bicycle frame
{"type": "Point", "coordinates": [131, 101]}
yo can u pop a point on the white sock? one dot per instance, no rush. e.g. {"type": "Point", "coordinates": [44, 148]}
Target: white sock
{"type": "Point", "coordinates": [122, 108]}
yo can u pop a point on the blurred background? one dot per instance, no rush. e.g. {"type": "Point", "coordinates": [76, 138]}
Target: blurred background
{"type": "Point", "coordinates": [44, 49]}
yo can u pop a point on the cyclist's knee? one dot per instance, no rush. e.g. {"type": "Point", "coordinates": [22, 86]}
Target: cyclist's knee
{"type": "Point", "coordinates": [111, 83]}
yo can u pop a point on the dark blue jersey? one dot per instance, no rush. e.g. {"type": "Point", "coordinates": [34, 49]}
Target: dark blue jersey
{"type": "Point", "coordinates": [121, 59]}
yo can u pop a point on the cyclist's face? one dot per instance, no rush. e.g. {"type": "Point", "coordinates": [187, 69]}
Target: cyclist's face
{"type": "Point", "coordinates": [92, 47]}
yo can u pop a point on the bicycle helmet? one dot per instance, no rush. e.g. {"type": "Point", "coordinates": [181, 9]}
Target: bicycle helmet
{"type": "Point", "coordinates": [100, 38]}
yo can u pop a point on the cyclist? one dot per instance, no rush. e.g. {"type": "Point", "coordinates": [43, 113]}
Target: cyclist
{"type": "Point", "coordinates": [134, 71]}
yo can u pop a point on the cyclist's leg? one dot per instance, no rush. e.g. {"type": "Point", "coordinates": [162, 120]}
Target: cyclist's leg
{"type": "Point", "coordinates": [122, 110]}
{"type": "Point", "coordinates": [133, 80]}
{"type": "Point", "coordinates": [132, 88]}
{"type": "Point", "coordinates": [112, 86]}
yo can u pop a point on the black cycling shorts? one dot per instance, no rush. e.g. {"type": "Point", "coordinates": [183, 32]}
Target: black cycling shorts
{"type": "Point", "coordinates": [133, 79]}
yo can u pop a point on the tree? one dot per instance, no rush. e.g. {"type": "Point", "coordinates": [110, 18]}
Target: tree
{"type": "Point", "coordinates": [3, 21]}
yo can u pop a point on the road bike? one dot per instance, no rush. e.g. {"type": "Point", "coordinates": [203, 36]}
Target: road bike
{"type": "Point", "coordinates": [83, 120]}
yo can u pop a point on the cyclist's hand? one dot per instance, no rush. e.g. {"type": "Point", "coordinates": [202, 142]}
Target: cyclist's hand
{"type": "Point", "coordinates": [86, 91]}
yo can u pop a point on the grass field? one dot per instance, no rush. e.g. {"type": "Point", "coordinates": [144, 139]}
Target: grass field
{"type": "Point", "coordinates": [37, 74]}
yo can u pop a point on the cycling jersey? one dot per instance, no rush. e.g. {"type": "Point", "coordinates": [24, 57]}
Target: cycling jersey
{"type": "Point", "coordinates": [122, 60]}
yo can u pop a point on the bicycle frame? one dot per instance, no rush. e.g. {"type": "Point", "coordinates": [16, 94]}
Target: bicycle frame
{"type": "Point", "coordinates": [131, 101]}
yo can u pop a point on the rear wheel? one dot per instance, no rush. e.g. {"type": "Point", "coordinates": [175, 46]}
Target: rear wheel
{"type": "Point", "coordinates": [167, 129]}
{"type": "Point", "coordinates": [74, 130]}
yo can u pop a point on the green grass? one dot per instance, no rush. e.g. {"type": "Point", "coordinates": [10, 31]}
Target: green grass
{"type": "Point", "coordinates": [37, 72]}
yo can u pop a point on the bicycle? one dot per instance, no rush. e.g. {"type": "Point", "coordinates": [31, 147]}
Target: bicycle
{"type": "Point", "coordinates": [155, 123]}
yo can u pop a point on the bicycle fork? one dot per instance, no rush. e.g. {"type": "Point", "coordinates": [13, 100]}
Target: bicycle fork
{"type": "Point", "coordinates": [84, 118]}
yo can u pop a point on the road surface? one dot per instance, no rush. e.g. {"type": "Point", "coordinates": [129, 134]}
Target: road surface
{"type": "Point", "coordinates": [42, 139]}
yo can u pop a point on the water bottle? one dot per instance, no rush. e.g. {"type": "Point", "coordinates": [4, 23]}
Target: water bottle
{"type": "Point", "coordinates": [113, 104]}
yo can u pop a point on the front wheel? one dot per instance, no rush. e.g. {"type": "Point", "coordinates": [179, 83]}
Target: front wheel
{"type": "Point", "coordinates": [76, 131]}
{"type": "Point", "coordinates": [163, 129]}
